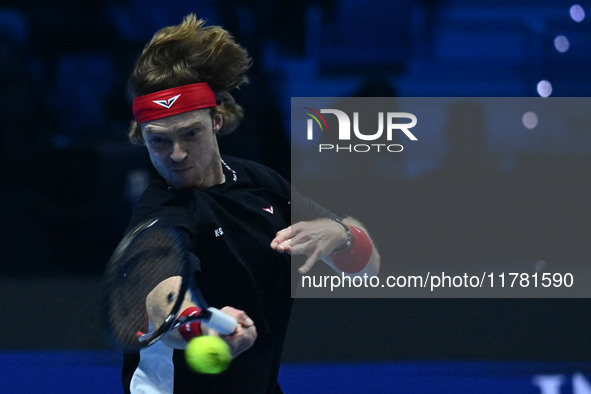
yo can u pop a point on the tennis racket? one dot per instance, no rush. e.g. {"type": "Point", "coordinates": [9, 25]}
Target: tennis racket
{"type": "Point", "coordinates": [149, 254]}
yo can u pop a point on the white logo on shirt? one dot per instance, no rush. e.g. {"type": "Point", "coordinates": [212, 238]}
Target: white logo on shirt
{"type": "Point", "coordinates": [218, 232]}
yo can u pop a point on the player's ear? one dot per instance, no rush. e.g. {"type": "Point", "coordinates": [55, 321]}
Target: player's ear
{"type": "Point", "coordinates": [218, 122]}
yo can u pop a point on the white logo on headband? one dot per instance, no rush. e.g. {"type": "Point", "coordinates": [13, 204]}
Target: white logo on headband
{"type": "Point", "coordinates": [167, 103]}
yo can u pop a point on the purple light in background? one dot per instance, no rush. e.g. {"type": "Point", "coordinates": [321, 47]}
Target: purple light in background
{"type": "Point", "coordinates": [577, 13]}
{"type": "Point", "coordinates": [530, 120]}
{"type": "Point", "coordinates": [561, 43]}
{"type": "Point", "coordinates": [544, 88]}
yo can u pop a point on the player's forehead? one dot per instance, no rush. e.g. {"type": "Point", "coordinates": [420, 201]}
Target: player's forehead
{"type": "Point", "coordinates": [178, 123]}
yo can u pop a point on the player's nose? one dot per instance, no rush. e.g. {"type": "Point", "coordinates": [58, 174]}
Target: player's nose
{"type": "Point", "coordinates": [178, 153]}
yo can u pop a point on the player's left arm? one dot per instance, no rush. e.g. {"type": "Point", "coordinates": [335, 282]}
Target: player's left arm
{"type": "Point", "coordinates": [345, 246]}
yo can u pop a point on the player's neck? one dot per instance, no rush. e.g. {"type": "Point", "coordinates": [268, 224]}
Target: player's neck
{"type": "Point", "coordinates": [216, 174]}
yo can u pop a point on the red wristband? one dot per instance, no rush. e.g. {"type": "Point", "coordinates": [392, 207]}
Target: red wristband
{"type": "Point", "coordinates": [191, 329]}
{"type": "Point", "coordinates": [357, 257]}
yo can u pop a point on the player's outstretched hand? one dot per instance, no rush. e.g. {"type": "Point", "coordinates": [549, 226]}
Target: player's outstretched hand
{"type": "Point", "coordinates": [315, 239]}
{"type": "Point", "coordinates": [244, 335]}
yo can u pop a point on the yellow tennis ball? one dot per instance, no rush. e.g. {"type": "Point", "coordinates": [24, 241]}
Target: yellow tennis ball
{"type": "Point", "coordinates": [208, 354]}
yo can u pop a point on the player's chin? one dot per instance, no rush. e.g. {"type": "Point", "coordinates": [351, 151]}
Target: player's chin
{"type": "Point", "coordinates": [178, 182]}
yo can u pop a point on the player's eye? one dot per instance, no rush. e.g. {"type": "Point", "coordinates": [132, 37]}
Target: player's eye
{"type": "Point", "coordinates": [191, 134]}
{"type": "Point", "coordinates": [156, 140]}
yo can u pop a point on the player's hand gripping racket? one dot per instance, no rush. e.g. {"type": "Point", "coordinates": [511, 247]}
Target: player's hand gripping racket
{"type": "Point", "coordinates": [148, 255]}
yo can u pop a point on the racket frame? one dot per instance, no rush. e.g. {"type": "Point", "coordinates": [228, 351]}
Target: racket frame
{"type": "Point", "coordinates": [171, 321]}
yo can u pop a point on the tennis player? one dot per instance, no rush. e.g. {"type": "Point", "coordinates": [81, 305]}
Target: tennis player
{"type": "Point", "coordinates": [236, 214]}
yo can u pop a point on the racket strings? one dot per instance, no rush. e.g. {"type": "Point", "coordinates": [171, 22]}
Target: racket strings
{"type": "Point", "coordinates": [137, 267]}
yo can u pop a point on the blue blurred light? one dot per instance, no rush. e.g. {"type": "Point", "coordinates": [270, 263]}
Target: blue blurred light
{"type": "Point", "coordinates": [544, 88]}
{"type": "Point", "coordinates": [561, 43]}
{"type": "Point", "coordinates": [530, 120]}
{"type": "Point", "coordinates": [577, 13]}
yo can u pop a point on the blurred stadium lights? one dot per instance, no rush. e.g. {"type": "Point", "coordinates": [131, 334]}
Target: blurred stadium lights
{"type": "Point", "coordinates": [544, 88]}
{"type": "Point", "coordinates": [577, 13]}
{"type": "Point", "coordinates": [561, 43]}
{"type": "Point", "coordinates": [530, 120]}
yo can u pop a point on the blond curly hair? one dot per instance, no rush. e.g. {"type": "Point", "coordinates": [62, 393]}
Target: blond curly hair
{"type": "Point", "coordinates": [190, 53]}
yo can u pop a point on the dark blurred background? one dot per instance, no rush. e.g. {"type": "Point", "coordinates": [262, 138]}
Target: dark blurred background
{"type": "Point", "coordinates": [69, 176]}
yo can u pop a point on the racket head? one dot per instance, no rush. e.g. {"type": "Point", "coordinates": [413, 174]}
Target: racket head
{"type": "Point", "coordinates": [149, 254]}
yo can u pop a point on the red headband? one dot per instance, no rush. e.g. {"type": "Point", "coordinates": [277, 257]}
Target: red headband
{"type": "Point", "coordinates": [173, 101]}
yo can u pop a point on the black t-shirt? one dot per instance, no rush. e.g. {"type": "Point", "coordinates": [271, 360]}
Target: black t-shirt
{"type": "Point", "coordinates": [229, 228]}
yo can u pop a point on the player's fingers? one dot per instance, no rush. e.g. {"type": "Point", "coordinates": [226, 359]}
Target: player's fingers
{"type": "Point", "coordinates": [301, 245]}
{"type": "Point", "coordinates": [252, 335]}
{"type": "Point", "coordinates": [284, 234]}
{"type": "Point", "coordinates": [240, 316]}
{"type": "Point", "coordinates": [241, 340]}
{"type": "Point", "coordinates": [286, 246]}
{"type": "Point", "coordinates": [310, 261]}
{"type": "Point", "coordinates": [245, 321]}
{"type": "Point", "coordinates": [278, 243]}
{"type": "Point", "coordinates": [283, 247]}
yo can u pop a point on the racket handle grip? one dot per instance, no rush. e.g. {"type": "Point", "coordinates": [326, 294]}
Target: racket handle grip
{"type": "Point", "coordinates": [219, 321]}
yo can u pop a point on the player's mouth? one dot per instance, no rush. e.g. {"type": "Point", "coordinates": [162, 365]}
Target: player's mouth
{"type": "Point", "coordinates": [181, 170]}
